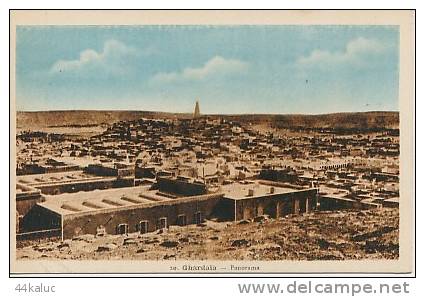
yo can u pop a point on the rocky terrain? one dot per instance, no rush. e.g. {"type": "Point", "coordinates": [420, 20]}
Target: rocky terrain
{"type": "Point", "coordinates": [338, 235]}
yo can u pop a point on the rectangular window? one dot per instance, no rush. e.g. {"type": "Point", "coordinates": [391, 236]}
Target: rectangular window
{"type": "Point", "coordinates": [181, 220]}
{"type": "Point", "coordinates": [296, 206]}
{"type": "Point", "coordinates": [122, 229]}
{"type": "Point", "coordinates": [143, 227]}
{"type": "Point", "coordinates": [198, 218]}
{"type": "Point", "coordinates": [162, 223]}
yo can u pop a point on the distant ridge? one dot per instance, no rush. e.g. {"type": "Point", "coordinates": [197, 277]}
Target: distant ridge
{"type": "Point", "coordinates": [347, 120]}
{"type": "Point", "coordinates": [31, 119]}
{"type": "Point", "coordinates": [365, 120]}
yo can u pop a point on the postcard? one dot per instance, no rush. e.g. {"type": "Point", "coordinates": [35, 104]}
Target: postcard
{"type": "Point", "coordinates": [212, 142]}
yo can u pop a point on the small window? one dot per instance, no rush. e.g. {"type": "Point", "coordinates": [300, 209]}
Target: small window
{"type": "Point", "coordinates": [122, 229]}
{"type": "Point", "coordinates": [181, 220]}
{"type": "Point", "coordinates": [143, 227]}
{"type": "Point", "coordinates": [198, 218]}
{"type": "Point", "coordinates": [162, 223]}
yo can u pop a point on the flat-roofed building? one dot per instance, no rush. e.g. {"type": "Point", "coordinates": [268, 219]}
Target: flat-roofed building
{"type": "Point", "coordinates": [111, 209]}
{"type": "Point", "coordinates": [250, 200]}
{"type": "Point", "coordinates": [146, 209]}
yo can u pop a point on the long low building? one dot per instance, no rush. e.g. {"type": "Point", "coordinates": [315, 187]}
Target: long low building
{"type": "Point", "coordinates": [141, 209]}
{"type": "Point", "coordinates": [246, 201]}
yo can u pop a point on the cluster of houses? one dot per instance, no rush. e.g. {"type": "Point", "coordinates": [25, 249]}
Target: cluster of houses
{"type": "Point", "coordinates": [150, 173]}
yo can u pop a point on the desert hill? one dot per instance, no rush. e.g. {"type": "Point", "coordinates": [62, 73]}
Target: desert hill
{"type": "Point", "coordinates": [60, 118]}
{"type": "Point", "coordinates": [360, 120]}
{"type": "Point", "coordinates": [78, 118]}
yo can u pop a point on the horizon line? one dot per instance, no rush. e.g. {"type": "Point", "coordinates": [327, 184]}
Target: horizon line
{"type": "Point", "coordinates": [202, 114]}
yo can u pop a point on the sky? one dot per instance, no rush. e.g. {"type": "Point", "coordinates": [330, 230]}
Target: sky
{"type": "Point", "coordinates": [229, 69]}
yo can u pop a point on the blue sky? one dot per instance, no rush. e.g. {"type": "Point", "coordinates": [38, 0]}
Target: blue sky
{"type": "Point", "coordinates": [230, 69]}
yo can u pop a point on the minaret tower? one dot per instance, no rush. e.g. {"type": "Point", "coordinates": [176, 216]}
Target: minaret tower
{"type": "Point", "coordinates": [197, 112]}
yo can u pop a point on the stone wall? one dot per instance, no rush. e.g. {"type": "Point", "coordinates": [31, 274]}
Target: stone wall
{"type": "Point", "coordinates": [40, 218]}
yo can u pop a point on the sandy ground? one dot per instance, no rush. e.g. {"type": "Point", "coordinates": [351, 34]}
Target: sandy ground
{"type": "Point", "coordinates": [340, 235]}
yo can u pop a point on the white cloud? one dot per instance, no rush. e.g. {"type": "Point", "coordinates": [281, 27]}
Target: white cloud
{"type": "Point", "coordinates": [214, 67]}
{"type": "Point", "coordinates": [354, 50]}
{"type": "Point", "coordinates": [109, 58]}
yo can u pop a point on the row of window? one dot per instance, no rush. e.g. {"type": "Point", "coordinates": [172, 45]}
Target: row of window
{"type": "Point", "coordinates": [143, 226]}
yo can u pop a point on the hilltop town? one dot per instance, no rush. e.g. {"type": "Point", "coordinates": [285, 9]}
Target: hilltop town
{"type": "Point", "coordinates": [129, 177]}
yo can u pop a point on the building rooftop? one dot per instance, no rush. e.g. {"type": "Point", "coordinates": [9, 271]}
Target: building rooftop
{"type": "Point", "coordinates": [57, 177]}
{"type": "Point", "coordinates": [333, 192]}
{"type": "Point", "coordinates": [22, 190]}
{"type": "Point", "coordinates": [69, 203]}
{"type": "Point", "coordinates": [250, 190]}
